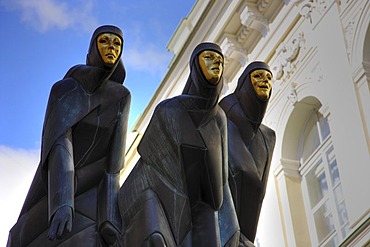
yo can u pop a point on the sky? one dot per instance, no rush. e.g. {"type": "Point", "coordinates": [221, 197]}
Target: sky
{"type": "Point", "coordinates": [40, 41]}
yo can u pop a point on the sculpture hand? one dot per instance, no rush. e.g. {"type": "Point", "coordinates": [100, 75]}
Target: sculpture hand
{"type": "Point", "coordinates": [109, 233]}
{"type": "Point", "coordinates": [61, 222]}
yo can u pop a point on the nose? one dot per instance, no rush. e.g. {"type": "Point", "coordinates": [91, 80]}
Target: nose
{"type": "Point", "coordinates": [264, 77]}
{"type": "Point", "coordinates": [218, 60]}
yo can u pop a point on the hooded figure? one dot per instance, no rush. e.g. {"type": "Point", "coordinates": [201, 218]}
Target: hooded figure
{"type": "Point", "coordinates": [172, 196]}
{"type": "Point", "coordinates": [73, 196]}
{"type": "Point", "coordinates": [250, 146]}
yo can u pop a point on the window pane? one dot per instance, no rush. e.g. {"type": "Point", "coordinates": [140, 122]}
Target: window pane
{"type": "Point", "coordinates": [334, 173]}
{"type": "Point", "coordinates": [342, 213]}
{"type": "Point", "coordinates": [311, 139]}
{"type": "Point", "coordinates": [323, 184]}
{"type": "Point", "coordinates": [345, 230]}
{"type": "Point", "coordinates": [333, 242]}
{"type": "Point", "coordinates": [341, 207]}
{"type": "Point", "coordinates": [324, 127]}
{"type": "Point", "coordinates": [316, 184]}
{"type": "Point", "coordinates": [324, 223]}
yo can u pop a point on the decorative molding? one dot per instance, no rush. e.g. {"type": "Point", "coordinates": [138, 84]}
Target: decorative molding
{"type": "Point", "coordinates": [293, 98]}
{"type": "Point", "coordinates": [312, 9]}
{"type": "Point", "coordinates": [233, 50]}
{"type": "Point", "coordinates": [286, 55]}
{"type": "Point", "coordinates": [288, 168]}
{"type": "Point", "coordinates": [349, 32]}
{"type": "Point", "coordinates": [360, 231]}
{"type": "Point", "coordinates": [360, 72]}
{"type": "Point", "coordinates": [367, 69]}
{"type": "Point", "coordinates": [243, 34]}
{"type": "Point", "coordinates": [343, 4]}
{"type": "Point", "coordinates": [325, 111]}
{"type": "Point", "coordinates": [251, 18]}
{"type": "Point", "coordinates": [262, 5]}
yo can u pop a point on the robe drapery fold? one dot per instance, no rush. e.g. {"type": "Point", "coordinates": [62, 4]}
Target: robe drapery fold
{"type": "Point", "coordinates": [82, 153]}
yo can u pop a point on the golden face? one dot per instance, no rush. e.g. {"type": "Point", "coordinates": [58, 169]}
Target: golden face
{"type": "Point", "coordinates": [261, 81]}
{"type": "Point", "coordinates": [109, 46]}
{"type": "Point", "coordinates": [211, 64]}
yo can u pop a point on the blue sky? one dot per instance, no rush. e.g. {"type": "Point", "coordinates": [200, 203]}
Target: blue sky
{"type": "Point", "coordinates": [40, 41]}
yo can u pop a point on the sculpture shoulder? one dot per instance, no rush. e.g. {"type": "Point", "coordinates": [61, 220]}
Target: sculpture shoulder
{"type": "Point", "coordinates": [63, 86]}
{"type": "Point", "coordinates": [117, 90]}
{"type": "Point", "coordinates": [269, 134]}
{"type": "Point", "coordinates": [60, 90]}
{"type": "Point", "coordinates": [228, 102]}
{"type": "Point", "coordinates": [169, 107]}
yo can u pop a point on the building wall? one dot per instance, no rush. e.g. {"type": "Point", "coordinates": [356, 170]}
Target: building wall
{"type": "Point", "coordinates": [319, 51]}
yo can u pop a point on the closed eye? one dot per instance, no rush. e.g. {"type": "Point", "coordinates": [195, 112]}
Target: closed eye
{"type": "Point", "coordinates": [102, 41]}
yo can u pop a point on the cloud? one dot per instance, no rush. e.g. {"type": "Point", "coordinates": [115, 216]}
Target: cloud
{"type": "Point", "coordinates": [18, 167]}
{"type": "Point", "coordinates": [45, 15]}
{"type": "Point", "coordinates": [147, 59]}
{"type": "Point", "coordinates": [142, 49]}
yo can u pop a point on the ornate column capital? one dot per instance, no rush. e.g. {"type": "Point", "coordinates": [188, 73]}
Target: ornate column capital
{"type": "Point", "coordinates": [232, 49]}
{"type": "Point", "coordinates": [251, 18]}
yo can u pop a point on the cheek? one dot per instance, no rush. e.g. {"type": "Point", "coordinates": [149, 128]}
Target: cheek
{"type": "Point", "coordinates": [254, 84]}
{"type": "Point", "coordinates": [208, 65]}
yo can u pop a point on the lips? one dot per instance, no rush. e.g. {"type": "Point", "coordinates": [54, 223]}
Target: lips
{"type": "Point", "coordinates": [216, 68]}
{"type": "Point", "coordinates": [264, 86]}
{"type": "Point", "coordinates": [110, 55]}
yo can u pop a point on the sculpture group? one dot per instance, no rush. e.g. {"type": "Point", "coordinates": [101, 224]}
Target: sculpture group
{"type": "Point", "coordinates": [203, 167]}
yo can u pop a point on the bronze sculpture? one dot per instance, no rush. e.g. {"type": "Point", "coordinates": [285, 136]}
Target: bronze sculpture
{"type": "Point", "coordinates": [251, 145]}
{"type": "Point", "coordinates": [73, 197]}
{"type": "Point", "coordinates": [173, 195]}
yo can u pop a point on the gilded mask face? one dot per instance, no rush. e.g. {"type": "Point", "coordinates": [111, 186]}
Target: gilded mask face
{"type": "Point", "coordinates": [211, 64]}
{"type": "Point", "coordinates": [109, 46]}
{"type": "Point", "coordinates": [261, 81]}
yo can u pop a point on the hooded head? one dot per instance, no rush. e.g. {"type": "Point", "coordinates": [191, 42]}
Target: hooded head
{"type": "Point", "coordinates": [252, 104]}
{"type": "Point", "coordinates": [94, 58]}
{"type": "Point", "coordinates": [96, 72]}
{"type": "Point", "coordinates": [197, 84]}
{"type": "Point", "coordinates": [198, 90]}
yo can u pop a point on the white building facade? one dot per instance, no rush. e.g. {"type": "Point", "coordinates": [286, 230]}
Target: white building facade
{"type": "Point", "coordinates": [318, 192]}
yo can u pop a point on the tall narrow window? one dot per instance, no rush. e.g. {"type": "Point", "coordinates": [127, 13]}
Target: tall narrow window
{"type": "Point", "coordinates": [323, 195]}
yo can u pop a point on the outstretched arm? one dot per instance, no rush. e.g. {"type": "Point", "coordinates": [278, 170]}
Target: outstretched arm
{"type": "Point", "coordinates": [61, 186]}
{"type": "Point", "coordinates": [109, 217]}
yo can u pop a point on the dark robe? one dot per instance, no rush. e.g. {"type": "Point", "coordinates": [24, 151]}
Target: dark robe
{"type": "Point", "coordinates": [173, 194]}
{"type": "Point", "coordinates": [82, 154]}
{"type": "Point", "coordinates": [250, 146]}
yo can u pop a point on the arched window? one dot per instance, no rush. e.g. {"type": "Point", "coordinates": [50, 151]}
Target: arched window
{"type": "Point", "coordinates": [322, 189]}
{"type": "Point", "coordinates": [315, 133]}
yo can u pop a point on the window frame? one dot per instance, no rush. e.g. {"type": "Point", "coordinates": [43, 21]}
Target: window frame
{"type": "Point", "coordinates": [320, 159]}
